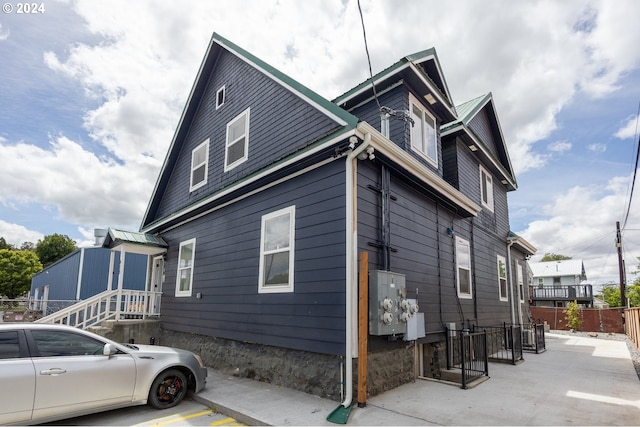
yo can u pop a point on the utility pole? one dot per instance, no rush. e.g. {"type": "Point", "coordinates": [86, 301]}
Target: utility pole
{"type": "Point", "coordinates": [620, 266]}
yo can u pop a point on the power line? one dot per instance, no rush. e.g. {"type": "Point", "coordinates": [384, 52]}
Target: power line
{"type": "Point", "coordinates": [366, 48]}
{"type": "Point", "coordinates": [405, 116]}
{"type": "Point", "coordinates": [635, 171]}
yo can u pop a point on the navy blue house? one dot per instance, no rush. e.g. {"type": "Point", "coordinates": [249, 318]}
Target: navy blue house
{"type": "Point", "coordinates": [271, 194]}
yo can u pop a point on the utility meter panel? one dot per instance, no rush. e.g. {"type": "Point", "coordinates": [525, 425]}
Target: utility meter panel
{"type": "Point", "coordinates": [389, 309]}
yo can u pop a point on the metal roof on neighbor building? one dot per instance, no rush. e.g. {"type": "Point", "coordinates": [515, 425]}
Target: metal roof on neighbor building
{"type": "Point", "coordinates": [567, 267]}
{"type": "Point", "coordinates": [116, 237]}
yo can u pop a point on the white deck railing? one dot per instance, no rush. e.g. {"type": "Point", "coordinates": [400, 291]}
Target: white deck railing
{"type": "Point", "coordinates": [108, 305]}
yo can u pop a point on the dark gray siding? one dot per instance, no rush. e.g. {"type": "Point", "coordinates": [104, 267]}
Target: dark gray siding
{"type": "Point", "coordinates": [280, 123]}
{"type": "Point", "coordinates": [482, 127]}
{"type": "Point", "coordinates": [399, 130]}
{"type": "Point", "coordinates": [423, 250]}
{"type": "Point", "coordinates": [226, 268]}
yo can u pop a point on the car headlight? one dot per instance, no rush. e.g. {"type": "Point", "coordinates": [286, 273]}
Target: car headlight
{"type": "Point", "coordinates": [199, 359]}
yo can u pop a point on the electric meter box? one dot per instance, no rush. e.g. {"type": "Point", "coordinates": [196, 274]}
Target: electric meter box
{"type": "Point", "coordinates": [387, 290]}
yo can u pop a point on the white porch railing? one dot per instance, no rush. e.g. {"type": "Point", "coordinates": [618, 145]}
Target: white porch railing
{"type": "Point", "coordinates": [107, 305]}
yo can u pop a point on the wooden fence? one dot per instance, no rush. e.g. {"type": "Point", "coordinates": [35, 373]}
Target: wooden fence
{"type": "Point", "coordinates": [632, 323]}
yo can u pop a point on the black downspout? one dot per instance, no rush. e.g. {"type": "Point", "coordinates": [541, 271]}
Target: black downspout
{"type": "Point", "coordinates": [386, 222]}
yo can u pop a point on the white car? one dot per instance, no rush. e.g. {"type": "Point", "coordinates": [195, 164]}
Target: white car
{"type": "Point", "coordinates": [52, 372]}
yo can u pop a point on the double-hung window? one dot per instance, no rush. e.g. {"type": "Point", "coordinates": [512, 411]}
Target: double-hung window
{"type": "Point", "coordinates": [277, 251]}
{"type": "Point", "coordinates": [423, 132]}
{"type": "Point", "coordinates": [486, 188]}
{"type": "Point", "coordinates": [199, 165]}
{"type": "Point", "coordinates": [520, 282]}
{"type": "Point", "coordinates": [502, 278]}
{"type": "Point", "coordinates": [186, 257]}
{"type": "Point", "coordinates": [463, 268]}
{"type": "Point", "coordinates": [237, 143]}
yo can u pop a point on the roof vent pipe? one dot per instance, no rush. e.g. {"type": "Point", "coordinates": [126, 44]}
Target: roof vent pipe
{"type": "Point", "coordinates": [100, 234]}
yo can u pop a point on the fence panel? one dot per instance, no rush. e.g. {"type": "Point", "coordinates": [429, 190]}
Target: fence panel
{"type": "Point", "coordinates": [632, 322]}
{"type": "Point", "coordinates": [467, 352]}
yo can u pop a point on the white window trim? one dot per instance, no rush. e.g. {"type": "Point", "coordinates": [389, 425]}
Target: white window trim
{"type": "Point", "coordinates": [189, 292]}
{"type": "Point", "coordinates": [193, 187]}
{"type": "Point", "coordinates": [506, 288]}
{"type": "Point", "coordinates": [262, 289]}
{"type": "Point", "coordinates": [520, 275]}
{"type": "Point", "coordinates": [228, 167]}
{"type": "Point", "coordinates": [489, 204]}
{"type": "Point", "coordinates": [414, 101]}
{"type": "Point", "coordinates": [460, 294]}
{"type": "Point", "coordinates": [224, 96]}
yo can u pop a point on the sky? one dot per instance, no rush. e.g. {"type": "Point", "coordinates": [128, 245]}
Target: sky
{"type": "Point", "coordinates": [91, 93]}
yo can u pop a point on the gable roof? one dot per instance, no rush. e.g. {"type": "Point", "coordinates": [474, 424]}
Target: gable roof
{"type": "Point", "coordinates": [466, 113]}
{"type": "Point", "coordinates": [216, 46]}
{"type": "Point", "coordinates": [567, 267]}
{"type": "Point", "coordinates": [421, 70]}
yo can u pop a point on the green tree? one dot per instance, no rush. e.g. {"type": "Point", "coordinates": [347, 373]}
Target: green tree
{"type": "Point", "coordinates": [553, 257]}
{"type": "Point", "coordinates": [16, 270]}
{"type": "Point", "coordinates": [27, 246]}
{"type": "Point", "coordinates": [572, 314]}
{"type": "Point", "coordinates": [4, 244]}
{"type": "Point", "coordinates": [611, 294]}
{"type": "Point", "coordinates": [54, 247]}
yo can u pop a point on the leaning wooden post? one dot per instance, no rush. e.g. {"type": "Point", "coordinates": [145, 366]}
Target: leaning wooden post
{"type": "Point", "coordinates": [363, 327]}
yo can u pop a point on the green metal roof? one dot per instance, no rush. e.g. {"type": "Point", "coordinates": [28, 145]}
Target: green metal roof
{"type": "Point", "coordinates": [466, 111]}
{"type": "Point", "coordinates": [116, 237]}
{"type": "Point", "coordinates": [415, 58]}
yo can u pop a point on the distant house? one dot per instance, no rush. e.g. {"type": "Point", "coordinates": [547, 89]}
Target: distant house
{"type": "Point", "coordinates": [270, 196]}
{"type": "Point", "coordinates": [556, 283]}
{"type": "Point", "coordinates": [83, 274]}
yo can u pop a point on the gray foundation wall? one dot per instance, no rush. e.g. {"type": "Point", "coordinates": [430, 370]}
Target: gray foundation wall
{"type": "Point", "coordinates": [317, 374]}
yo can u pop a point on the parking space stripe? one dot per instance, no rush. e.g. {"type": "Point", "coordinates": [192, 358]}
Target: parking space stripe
{"type": "Point", "coordinates": [178, 417]}
{"type": "Point", "coordinates": [227, 421]}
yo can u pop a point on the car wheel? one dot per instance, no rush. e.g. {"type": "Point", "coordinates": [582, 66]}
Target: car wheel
{"type": "Point", "coordinates": [168, 389]}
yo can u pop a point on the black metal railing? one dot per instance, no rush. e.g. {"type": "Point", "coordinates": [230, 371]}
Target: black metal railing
{"type": "Point", "coordinates": [533, 337]}
{"type": "Point", "coordinates": [467, 352]}
{"type": "Point", "coordinates": [583, 292]}
{"type": "Point", "coordinates": [504, 343]}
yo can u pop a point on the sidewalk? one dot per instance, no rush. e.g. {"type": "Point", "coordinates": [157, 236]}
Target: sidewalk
{"type": "Point", "coordinates": [577, 381]}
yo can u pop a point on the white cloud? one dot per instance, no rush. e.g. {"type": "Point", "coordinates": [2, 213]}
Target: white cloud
{"type": "Point", "coordinates": [16, 234]}
{"type": "Point", "coordinates": [630, 129]}
{"type": "Point", "coordinates": [597, 148]}
{"type": "Point", "coordinates": [559, 146]}
{"type": "Point", "coordinates": [581, 224]}
{"type": "Point", "coordinates": [4, 34]}
{"type": "Point", "coordinates": [79, 186]}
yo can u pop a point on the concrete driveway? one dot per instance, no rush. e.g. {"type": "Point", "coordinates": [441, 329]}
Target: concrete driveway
{"type": "Point", "coordinates": [577, 381]}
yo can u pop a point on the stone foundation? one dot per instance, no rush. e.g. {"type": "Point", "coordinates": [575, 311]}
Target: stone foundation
{"type": "Point", "coordinates": [314, 373]}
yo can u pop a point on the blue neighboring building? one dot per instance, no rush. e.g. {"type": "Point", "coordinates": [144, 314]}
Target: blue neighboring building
{"type": "Point", "coordinates": [83, 274]}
